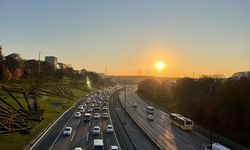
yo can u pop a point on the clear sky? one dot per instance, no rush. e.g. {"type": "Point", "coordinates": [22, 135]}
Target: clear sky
{"type": "Point", "coordinates": [129, 36]}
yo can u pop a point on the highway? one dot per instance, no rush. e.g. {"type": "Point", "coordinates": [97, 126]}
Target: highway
{"type": "Point", "coordinates": [81, 135]}
{"type": "Point", "coordinates": [164, 134]}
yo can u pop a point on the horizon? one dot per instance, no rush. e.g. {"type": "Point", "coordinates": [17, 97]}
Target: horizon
{"type": "Point", "coordinates": [121, 39]}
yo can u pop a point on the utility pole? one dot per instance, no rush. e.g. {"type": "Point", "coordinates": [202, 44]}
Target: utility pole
{"type": "Point", "coordinates": [39, 61]}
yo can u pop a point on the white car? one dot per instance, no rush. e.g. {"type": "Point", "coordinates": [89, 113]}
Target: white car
{"type": "Point", "coordinates": [150, 109]}
{"type": "Point", "coordinates": [77, 114]}
{"type": "Point", "coordinates": [113, 148]}
{"type": "Point", "coordinates": [78, 148]}
{"type": "Point", "coordinates": [104, 108]}
{"type": "Point", "coordinates": [67, 131]}
{"type": "Point", "coordinates": [84, 104]}
{"type": "Point", "coordinates": [110, 129]}
{"type": "Point", "coordinates": [105, 115]}
{"type": "Point", "coordinates": [80, 107]}
{"type": "Point", "coordinates": [150, 117]}
{"type": "Point", "coordinates": [96, 130]}
{"type": "Point", "coordinates": [96, 115]}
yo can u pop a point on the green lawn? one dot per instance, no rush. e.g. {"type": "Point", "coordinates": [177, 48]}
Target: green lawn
{"type": "Point", "coordinates": [16, 141]}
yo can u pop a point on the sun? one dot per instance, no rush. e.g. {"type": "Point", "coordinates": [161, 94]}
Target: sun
{"type": "Point", "coordinates": [160, 65]}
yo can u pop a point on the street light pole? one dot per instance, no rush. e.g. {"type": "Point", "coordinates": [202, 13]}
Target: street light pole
{"type": "Point", "coordinates": [125, 118]}
{"type": "Point", "coordinates": [211, 90]}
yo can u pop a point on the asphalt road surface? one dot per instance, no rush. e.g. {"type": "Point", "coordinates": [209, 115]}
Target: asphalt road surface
{"type": "Point", "coordinates": [81, 135]}
{"type": "Point", "coordinates": [166, 135]}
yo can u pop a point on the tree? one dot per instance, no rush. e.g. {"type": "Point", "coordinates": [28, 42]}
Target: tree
{"type": "Point", "coordinates": [7, 74]}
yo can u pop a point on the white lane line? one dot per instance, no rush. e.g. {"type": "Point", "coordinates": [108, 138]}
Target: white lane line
{"type": "Point", "coordinates": [47, 130]}
{"type": "Point", "coordinates": [78, 122]}
{"type": "Point", "coordinates": [87, 137]}
{"type": "Point", "coordinates": [61, 131]}
{"type": "Point", "coordinates": [101, 135]}
{"type": "Point", "coordinates": [201, 136]}
{"type": "Point", "coordinates": [191, 147]}
{"type": "Point", "coordinates": [89, 123]}
{"type": "Point", "coordinates": [112, 122]}
{"type": "Point", "coordinates": [72, 136]}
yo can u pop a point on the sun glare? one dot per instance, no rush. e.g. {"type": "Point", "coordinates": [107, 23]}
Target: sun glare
{"type": "Point", "coordinates": [160, 65]}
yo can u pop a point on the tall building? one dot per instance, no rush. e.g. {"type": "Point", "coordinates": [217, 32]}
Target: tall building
{"type": "Point", "coordinates": [51, 60]}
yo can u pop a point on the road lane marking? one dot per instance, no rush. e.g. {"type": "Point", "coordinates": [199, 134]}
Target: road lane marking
{"type": "Point", "coordinates": [191, 147]}
{"type": "Point", "coordinates": [89, 123]}
{"type": "Point", "coordinates": [61, 131]}
{"type": "Point", "coordinates": [47, 130]}
{"type": "Point", "coordinates": [87, 137]}
{"type": "Point", "coordinates": [201, 136]}
{"type": "Point", "coordinates": [78, 122]}
{"type": "Point", "coordinates": [73, 136]}
{"type": "Point", "coordinates": [101, 135]}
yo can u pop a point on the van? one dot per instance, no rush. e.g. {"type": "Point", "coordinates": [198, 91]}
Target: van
{"type": "Point", "coordinates": [216, 146]}
{"type": "Point", "coordinates": [98, 144]}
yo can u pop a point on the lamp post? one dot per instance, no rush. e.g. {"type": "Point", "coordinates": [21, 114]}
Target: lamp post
{"type": "Point", "coordinates": [125, 100]}
{"type": "Point", "coordinates": [211, 90]}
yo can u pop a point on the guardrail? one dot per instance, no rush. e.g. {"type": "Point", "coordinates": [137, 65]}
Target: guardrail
{"type": "Point", "coordinates": [144, 130]}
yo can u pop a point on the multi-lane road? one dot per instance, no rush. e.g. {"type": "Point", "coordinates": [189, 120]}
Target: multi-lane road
{"type": "Point", "coordinates": [81, 135]}
{"type": "Point", "coordinates": [164, 134]}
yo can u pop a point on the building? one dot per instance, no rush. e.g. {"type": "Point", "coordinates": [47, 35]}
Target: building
{"type": "Point", "coordinates": [239, 75]}
{"type": "Point", "coordinates": [83, 72]}
{"type": "Point", "coordinates": [51, 60]}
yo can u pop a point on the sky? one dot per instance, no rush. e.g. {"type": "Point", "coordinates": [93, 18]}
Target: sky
{"type": "Point", "coordinates": [118, 37]}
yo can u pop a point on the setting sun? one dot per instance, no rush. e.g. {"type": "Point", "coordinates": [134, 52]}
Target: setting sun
{"type": "Point", "coordinates": [160, 65]}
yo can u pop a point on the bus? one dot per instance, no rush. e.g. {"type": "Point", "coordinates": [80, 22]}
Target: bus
{"type": "Point", "coordinates": [98, 144]}
{"type": "Point", "coordinates": [182, 122]}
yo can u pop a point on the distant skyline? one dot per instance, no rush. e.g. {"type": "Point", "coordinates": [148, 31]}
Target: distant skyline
{"type": "Point", "coordinates": [129, 37]}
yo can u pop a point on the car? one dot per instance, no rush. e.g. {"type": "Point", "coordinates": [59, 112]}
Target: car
{"type": "Point", "coordinates": [113, 148]}
{"type": "Point", "coordinates": [90, 109]}
{"type": "Point", "coordinates": [99, 102]}
{"type": "Point", "coordinates": [104, 108]}
{"type": "Point", "coordinates": [91, 104]}
{"type": "Point", "coordinates": [150, 109]}
{"type": "Point", "coordinates": [80, 107]}
{"type": "Point", "coordinates": [78, 148]}
{"type": "Point", "coordinates": [84, 104]}
{"type": "Point", "coordinates": [105, 104]}
{"type": "Point", "coordinates": [67, 131]}
{"type": "Point", "coordinates": [82, 110]}
{"type": "Point", "coordinates": [110, 129]}
{"type": "Point", "coordinates": [96, 130]}
{"type": "Point", "coordinates": [97, 107]}
{"type": "Point", "coordinates": [105, 115]}
{"type": "Point", "coordinates": [135, 105]}
{"type": "Point", "coordinates": [96, 115]}
{"type": "Point", "coordinates": [87, 116]}
{"type": "Point", "coordinates": [150, 117]}
{"type": "Point", "coordinates": [78, 114]}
